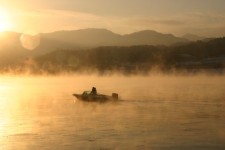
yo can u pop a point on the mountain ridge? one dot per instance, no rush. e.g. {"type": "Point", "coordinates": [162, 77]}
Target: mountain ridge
{"type": "Point", "coordinates": [192, 37]}
{"type": "Point", "coordinates": [86, 38]}
{"type": "Point", "coordinates": [94, 37]}
{"type": "Point", "coordinates": [53, 55]}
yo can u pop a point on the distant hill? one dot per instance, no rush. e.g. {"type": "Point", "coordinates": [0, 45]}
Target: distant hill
{"type": "Point", "coordinates": [102, 49]}
{"type": "Point", "coordinates": [127, 59]}
{"type": "Point", "coordinates": [89, 38]}
{"type": "Point", "coordinates": [192, 37]}
{"type": "Point", "coordinates": [86, 37]}
{"type": "Point", "coordinates": [82, 39]}
{"type": "Point", "coordinates": [149, 37]}
{"type": "Point", "coordinates": [11, 50]}
{"type": "Point", "coordinates": [133, 59]}
{"type": "Point", "coordinates": [103, 37]}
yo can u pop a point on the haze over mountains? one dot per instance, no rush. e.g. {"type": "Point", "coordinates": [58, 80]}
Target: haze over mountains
{"type": "Point", "coordinates": [103, 37]}
{"type": "Point", "coordinates": [90, 38]}
{"type": "Point", "coordinates": [102, 49]}
{"type": "Point", "coordinates": [192, 37]}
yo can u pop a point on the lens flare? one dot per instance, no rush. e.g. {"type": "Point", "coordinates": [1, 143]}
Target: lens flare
{"type": "Point", "coordinates": [30, 40]}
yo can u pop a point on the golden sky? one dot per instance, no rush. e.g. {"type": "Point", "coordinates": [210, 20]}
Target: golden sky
{"type": "Point", "coordinates": [202, 17]}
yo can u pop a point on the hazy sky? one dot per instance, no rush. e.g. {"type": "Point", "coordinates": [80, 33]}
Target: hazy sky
{"type": "Point", "coordinates": [202, 17]}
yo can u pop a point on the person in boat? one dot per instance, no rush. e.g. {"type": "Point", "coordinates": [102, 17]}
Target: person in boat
{"type": "Point", "coordinates": [94, 91]}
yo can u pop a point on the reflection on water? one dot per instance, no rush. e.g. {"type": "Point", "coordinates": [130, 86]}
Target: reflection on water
{"type": "Point", "coordinates": [155, 112]}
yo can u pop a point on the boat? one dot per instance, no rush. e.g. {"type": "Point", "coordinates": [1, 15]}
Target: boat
{"type": "Point", "coordinates": [89, 96]}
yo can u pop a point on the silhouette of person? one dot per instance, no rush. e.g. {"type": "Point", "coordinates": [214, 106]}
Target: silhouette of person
{"type": "Point", "coordinates": [94, 91]}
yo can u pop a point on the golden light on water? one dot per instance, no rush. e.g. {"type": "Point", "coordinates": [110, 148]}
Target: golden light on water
{"type": "Point", "coordinates": [39, 111]}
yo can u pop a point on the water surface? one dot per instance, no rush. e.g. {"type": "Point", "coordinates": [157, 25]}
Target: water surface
{"type": "Point", "coordinates": [155, 112]}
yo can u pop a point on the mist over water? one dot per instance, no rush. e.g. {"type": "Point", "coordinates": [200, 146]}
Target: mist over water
{"type": "Point", "coordinates": [154, 112]}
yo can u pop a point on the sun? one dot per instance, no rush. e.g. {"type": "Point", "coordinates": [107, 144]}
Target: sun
{"type": "Point", "coordinates": [5, 23]}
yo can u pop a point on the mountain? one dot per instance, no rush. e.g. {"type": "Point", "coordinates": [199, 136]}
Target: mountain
{"type": "Point", "coordinates": [11, 51]}
{"type": "Point", "coordinates": [102, 37]}
{"type": "Point", "coordinates": [192, 37]}
{"type": "Point", "coordinates": [85, 37]}
{"type": "Point", "coordinates": [149, 37]}
{"type": "Point", "coordinates": [135, 59]}
{"type": "Point", "coordinates": [12, 48]}
{"type": "Point", "coordinates": [58, 52]}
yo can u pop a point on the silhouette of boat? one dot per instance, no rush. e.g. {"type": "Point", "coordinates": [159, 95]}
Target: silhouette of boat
{"type": "Point", "coordinates": [95, 97]}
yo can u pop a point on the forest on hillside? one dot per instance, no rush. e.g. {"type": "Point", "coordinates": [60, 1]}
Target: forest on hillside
{"type": "Point", "coordinates": [129, 60]}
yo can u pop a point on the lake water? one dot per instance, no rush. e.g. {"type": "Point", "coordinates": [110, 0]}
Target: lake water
{"type": "Point", "coordinates": [156, 112]}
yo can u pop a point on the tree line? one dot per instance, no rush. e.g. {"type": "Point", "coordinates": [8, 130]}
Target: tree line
{"type": "Point", "coordinates": [132, 59]}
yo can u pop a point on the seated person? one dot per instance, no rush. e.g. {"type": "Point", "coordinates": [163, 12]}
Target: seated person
{"type": "Point", "coordinates": [94, 91]}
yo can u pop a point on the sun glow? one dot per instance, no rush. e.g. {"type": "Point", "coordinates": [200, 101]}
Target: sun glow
{"type": "Point", "coordinates": [5, 23]}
